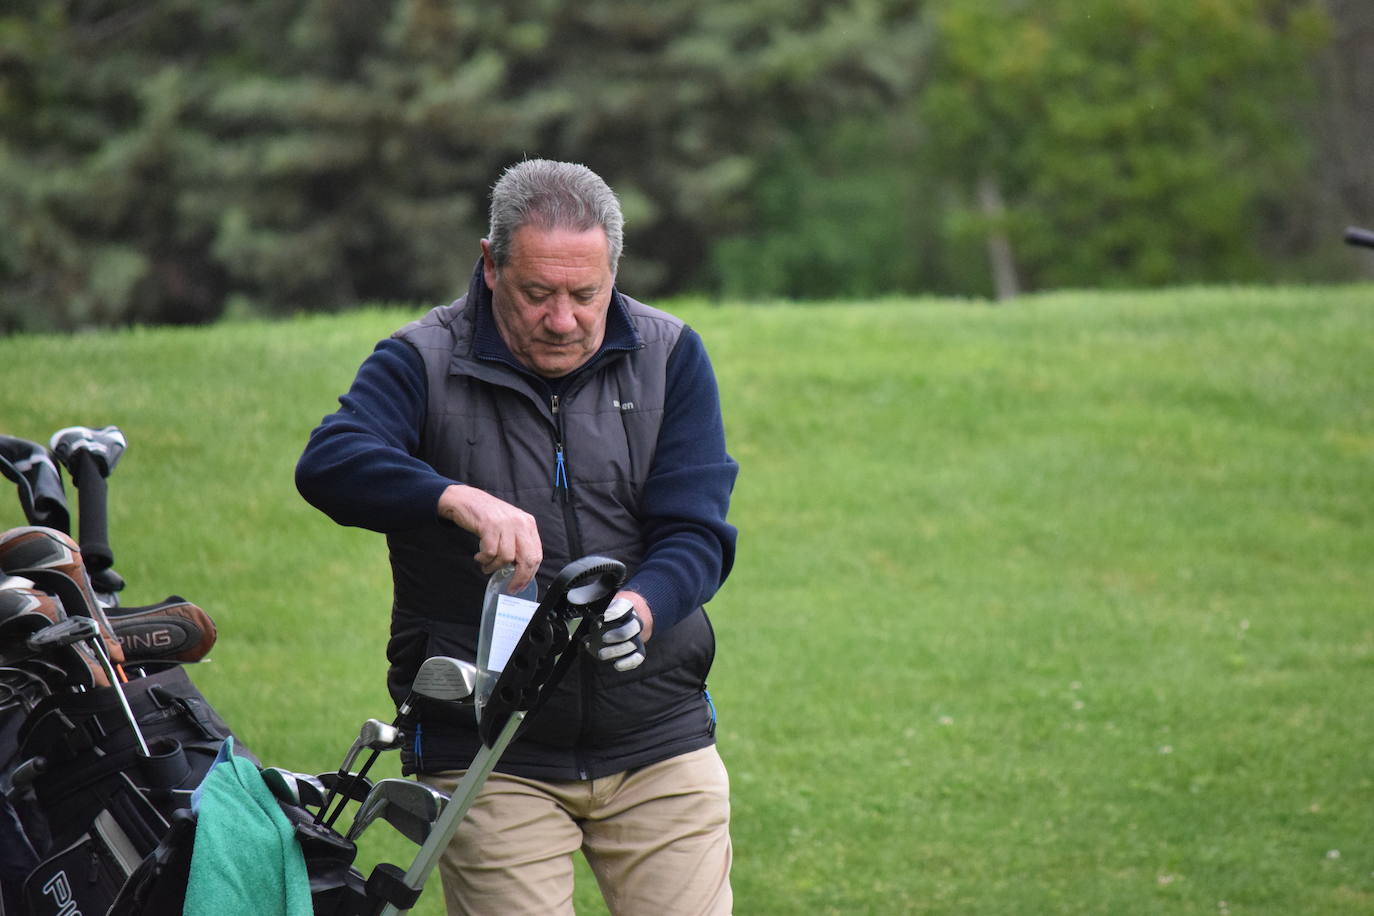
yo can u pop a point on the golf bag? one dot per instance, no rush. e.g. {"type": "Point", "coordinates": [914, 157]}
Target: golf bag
{"type": "Point", "coordinates": [103, 737]}
{"type": "Point", "coordinates": [93, 792]}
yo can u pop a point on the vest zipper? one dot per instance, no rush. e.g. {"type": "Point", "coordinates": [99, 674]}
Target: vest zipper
{"type": "Point", "coordinates": [560, 470]}
{"type": "Point", "coordinates": [562, 493]}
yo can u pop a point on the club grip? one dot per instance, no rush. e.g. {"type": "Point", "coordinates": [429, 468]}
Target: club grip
{"type": "Point", "coordinates": [1354, 235]}
{"type": "Point", "coordinates": [91, 512]}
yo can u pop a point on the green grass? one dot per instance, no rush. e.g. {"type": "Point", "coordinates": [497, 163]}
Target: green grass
{"type": "Point", "coordinates": [1060, 607]}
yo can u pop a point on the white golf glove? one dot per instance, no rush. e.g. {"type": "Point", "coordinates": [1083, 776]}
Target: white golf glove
{"type": "Point", "coordinates": [616, 636]}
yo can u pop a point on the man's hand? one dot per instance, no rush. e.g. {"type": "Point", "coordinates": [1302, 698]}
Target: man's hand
{"type": "Point", "coordinates": [617, 637]}
{"type": "Point", "coordinates": [508, 536]}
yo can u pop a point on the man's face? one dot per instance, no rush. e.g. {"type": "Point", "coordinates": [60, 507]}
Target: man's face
{"type": "Point", "coordinates": [551, 298]}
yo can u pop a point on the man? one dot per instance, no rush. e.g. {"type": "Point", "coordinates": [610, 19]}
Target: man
{"type": "Point", "coordinates": [542, 417]}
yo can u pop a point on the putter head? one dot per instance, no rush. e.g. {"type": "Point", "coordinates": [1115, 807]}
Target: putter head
{"type": "Point", "coordinates": [63, 633]}
{"type": "Point", "coordinates": [104, 445]}
{"type": "Point", "coordinates": [37, 635]}
{"type": "Point", "coordinates": [442, 677]}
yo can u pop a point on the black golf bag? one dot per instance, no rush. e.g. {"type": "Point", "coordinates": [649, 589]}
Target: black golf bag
{"type": "Point", "coordinates": [81, 803]}
{"type": "Point", "coordinates": [91, 804]}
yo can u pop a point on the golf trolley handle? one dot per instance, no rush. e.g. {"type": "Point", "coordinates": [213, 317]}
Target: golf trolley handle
{"type": "Point", "coordinates": [578, 595]}
{"type": "Point", "coordinates": [1354, 235]}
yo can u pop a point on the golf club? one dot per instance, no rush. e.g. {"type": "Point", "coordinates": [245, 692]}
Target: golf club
{"type": "Point", "coordinates": [24, 610]}
{"type": "Point", "coordinates": [53, 561]}
{"type": "Point", "coordinates": [311, 790]}
{"type": "Point", "coordinates": [376, 735]}
{"type": "Point", "coordinates": [78, 629]}
{"type": "Point", "coordinates": [282, 784]}
{"type": "Point", "coordinates": [174, 630]}
{"type": "Point", "coordinates": [441, 678]}
{"type": "Point", "coordinates": [408, 806]}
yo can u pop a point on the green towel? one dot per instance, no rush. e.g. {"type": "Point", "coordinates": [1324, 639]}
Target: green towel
{"type": "Point", "coordinates": [246, 858]}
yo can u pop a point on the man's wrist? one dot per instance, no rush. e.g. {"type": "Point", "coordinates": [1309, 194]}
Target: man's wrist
{"type": "Point", "coordinates": [642, 611]}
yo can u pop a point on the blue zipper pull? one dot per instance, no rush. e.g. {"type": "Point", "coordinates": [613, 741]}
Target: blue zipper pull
{"type": "Point", "coordinates": [560, 472]}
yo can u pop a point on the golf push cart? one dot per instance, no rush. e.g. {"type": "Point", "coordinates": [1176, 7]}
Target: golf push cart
{"type": "Point", "coordinates": [104, 740]}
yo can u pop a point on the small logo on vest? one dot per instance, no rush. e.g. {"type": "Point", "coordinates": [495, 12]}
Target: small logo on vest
{"type": "Point", "coordinates": [624, 405]}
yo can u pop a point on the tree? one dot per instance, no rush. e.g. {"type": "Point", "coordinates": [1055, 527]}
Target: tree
{"type": "Point", "coordinates": [314, 155]}
{"type": "Point", "coordinates": [1133, 141]}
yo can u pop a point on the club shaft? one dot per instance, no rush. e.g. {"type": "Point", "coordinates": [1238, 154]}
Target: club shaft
{"type": "Point", "coordinates": [346, 792]}
{"type": "Point", "coordinates": [98, 644]}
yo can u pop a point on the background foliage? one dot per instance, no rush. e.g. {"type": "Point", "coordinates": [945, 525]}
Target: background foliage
{"type": "Point", "coordinates": [172, 161]}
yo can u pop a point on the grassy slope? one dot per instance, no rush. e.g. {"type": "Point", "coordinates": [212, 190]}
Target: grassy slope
{"type": "Point", "coordinates": [1061, 607]}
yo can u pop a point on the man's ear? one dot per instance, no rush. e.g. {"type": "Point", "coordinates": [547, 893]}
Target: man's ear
{"type": "Point", "coordinates": [488, 265]}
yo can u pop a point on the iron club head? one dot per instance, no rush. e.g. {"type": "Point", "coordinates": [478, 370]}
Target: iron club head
{"type": "Point", "coordinates": [408, 806]}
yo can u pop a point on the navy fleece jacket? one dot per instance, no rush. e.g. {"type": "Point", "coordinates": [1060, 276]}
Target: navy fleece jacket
{"type": "Point", "coordinates": [359, 466]}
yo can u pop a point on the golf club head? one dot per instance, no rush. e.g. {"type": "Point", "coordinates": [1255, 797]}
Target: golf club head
{"type": "Point", "coordinates": [52, 560]}
{"type": "Point", "coordinates": [63, 633]}
{"type": "Point", "coordinates": [408, 806]}
{"type": "Point", "coordinates": [105, 445]}
{"type": "Point", "coordinates": [444, 678]}
{"type": "Point", "coordinates": [374, 735]}
{"type": "Point", "coordinates": [26, 617]}
{"type": "Point", "coordinates": [18, 598]}
{"type": "Point", "coordinates": [311, 790]}
{"type": "Point", "coordinates": [36, 547]}
{"type": "Point", "coordinates": [283, 785]}
{"type": "Point", "coordinates": [174, 630]}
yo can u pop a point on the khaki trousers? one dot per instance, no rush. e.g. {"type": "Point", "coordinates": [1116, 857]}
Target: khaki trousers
{"type": "Point", "coordinates": [657, 838]}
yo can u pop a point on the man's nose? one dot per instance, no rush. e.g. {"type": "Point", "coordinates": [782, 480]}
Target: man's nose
{"type": "Point", "coordinates": [560, 318]}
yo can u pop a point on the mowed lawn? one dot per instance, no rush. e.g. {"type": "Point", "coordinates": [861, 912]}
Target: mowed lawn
{"type": "Point", "coordinates": [1062, 606]}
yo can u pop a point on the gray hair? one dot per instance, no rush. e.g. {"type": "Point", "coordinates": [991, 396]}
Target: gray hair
{"type": "Point", "coordinates": [553, 195]}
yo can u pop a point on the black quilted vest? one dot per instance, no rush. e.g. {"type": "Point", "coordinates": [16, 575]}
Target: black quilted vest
{"type": "Point", "coordinates": [487, 427]}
